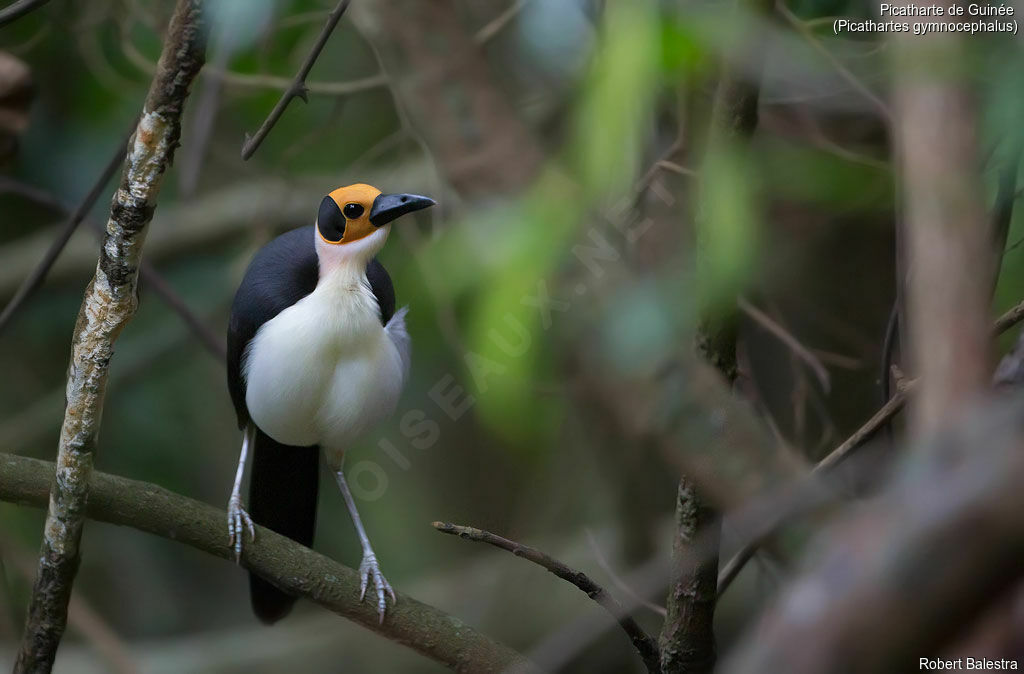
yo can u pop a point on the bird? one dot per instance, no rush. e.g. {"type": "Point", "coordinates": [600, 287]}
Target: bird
{"type": "Point", "coordinates": [317, 356]}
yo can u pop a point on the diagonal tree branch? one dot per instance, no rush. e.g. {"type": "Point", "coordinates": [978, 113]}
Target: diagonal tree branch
{"type": "Point", "coordinates": [109, 303]}
{"type": "Point", "coordinates": [884, 414]}
{"type": "Point", "coordinates": [151, 278]}
{"type": "Point", "coordinates": [898, 572]}
{"type": "Point", "coordinates": [16, 10]}
{"type": "Point", "coordinates": [38, 275]}
{"type": "Point", "coordinates": [644, 644]}
{"type": "Point", "coordinates": [292, 567]}
{"type": "Point", "coordinates": [297, 88]}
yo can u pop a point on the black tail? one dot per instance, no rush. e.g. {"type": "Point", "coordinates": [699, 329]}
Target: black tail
{"type": "Point", "coordinates": [282, 497]}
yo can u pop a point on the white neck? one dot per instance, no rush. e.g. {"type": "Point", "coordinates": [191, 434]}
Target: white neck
{"type": "Point", "coordinates": [349, 258]}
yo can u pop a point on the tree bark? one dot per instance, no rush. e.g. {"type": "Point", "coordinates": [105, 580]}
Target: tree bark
{"type": "Point", "coordinates": [949, 234]}
{"type": "Point", "coordinates": [292, 567]}
{"type": "Point", "coordinates": [109, 303]}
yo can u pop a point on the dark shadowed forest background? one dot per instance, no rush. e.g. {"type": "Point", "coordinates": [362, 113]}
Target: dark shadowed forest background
{"type": "Point", "coordinates": [616, 181]}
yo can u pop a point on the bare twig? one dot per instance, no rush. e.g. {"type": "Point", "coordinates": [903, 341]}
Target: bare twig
{"type": "Point", "coordinates": [874, 578]}
{"type": "Point", "coordinates": [736, 563]}
{"type": "Point", "coordinates": [344, 88]}
{"type": "Point", "coordinates": [1002, 209]}
{"type": "Point", "coordinates": [81, 616]}
{"type": "Point", "coordinates": [109, 303]}
{"type": "Point", "coordinates": [16, 10]}
{"type": "Point", "coordinates": [152, 279]}
{"type": "Point", "coordinates": [643, 643]}
{"type": "Point", "coordinates": [38, 275]}
{"type": "Point", "coordinates": [499, 22]}
{"type": "Point", "coordinates": [256, 80]}
{"type": "Point", "coordinates": [603, 562]}
{"type": "Point", "coordinates": [881, 417]}
{"type": "Point", "coordinates": [1012, 317]}
{"type": "Point", "coordinates": [844, 72]}
{"type": "Point", "coordinates": [150, 276]}
{"type": "Point", "coordinates": [297, 88]}
{"type": "Point", "coordinates": [292, 567]}
{"type": "Point", "coordinates": [787, 338]}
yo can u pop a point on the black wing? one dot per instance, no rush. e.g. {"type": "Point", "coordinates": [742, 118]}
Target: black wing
{"type": "Point", "coordinates": [383, 290]}
{"type": "Point", "coordinates": [282, 273]}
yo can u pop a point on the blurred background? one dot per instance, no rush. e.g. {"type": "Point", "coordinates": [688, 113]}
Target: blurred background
{"type": "Point", "coordinates": [566, 144]}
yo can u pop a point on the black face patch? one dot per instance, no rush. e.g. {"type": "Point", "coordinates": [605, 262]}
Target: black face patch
{"type": "Point", "coordinates": [330, 221]}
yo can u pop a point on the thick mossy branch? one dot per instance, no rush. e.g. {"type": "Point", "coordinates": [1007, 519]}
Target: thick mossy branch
{"type": "Point", "coordinates": [288, 565]}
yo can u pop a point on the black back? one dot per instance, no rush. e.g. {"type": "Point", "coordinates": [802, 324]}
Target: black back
{"type": "Point", "coordinates": [282, 273]}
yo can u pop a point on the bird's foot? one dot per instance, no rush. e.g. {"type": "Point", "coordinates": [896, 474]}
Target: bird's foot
{"type": "Point", "coordinates": [369, 568]}
{"type": "Point", "coordinates": [238, 522]}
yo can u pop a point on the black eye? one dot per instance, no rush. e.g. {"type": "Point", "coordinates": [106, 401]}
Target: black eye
{"type": "Point", "coordinates": [352, 211]}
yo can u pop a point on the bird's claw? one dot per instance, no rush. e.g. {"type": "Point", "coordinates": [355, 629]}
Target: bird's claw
{"type": "Point", "coordinates": [370, 568]}
{"type": "Point", "coordinates": [238, 522]}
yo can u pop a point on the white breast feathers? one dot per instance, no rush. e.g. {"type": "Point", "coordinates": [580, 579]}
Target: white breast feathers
{"type": "Point", "coordinates": [325, 370]}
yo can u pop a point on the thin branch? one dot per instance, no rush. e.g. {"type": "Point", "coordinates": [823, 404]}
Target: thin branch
{"type": "Point", "coordinates": [35, 279]}
{"type": "Point", "coordinates": [787, 338]}
{"type": "Point", "coordinates": [499, 22]}
{"type": "Point", "coordinates": [643, 643]}
{"type": "Point", "coordinates": [292, 567]}
{"type": "Point", "coordinates": [1002, 209]}
{"type": "Point", "coordinates": [109, 303]}
{"type": "Point", "coordinates": [344, 88]}
{"type": "Point", "coordinates": [256, 80]}
{"type": "Point", "coordinates": [606, 566]}
{"type": "Point", "coordinates": [150, 276]}
{"type": "Point", "coordinates": [81, 615]}
{"type": "Point", "coordinates": [297, 88]}
{"type": "Point", "coordinates": [910, 570]}
{"type": "Point", "coordinates": [675, 168]}
{"type": "Point", "coordinates": [16, 10]}
{"type": "Point", "coordinates": [880, 418]}
{"type": "Point", "coordinates": [1011, 318]}
{"type": "Point", "coordinates": [214, 343]}
{"type": "Point", "coordinates": [851, 79]}
{"type": "Point", "coordinates": [736, 563]}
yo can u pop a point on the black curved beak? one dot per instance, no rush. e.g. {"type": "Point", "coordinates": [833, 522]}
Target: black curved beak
{"type": "Point", "coordinates": [387, 207]}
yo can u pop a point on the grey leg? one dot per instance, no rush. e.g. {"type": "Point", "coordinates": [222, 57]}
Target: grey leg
{"type": "Point", "coordinates": [238, 519]}
{"type": "Point", "coordinates": [368, 568]}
